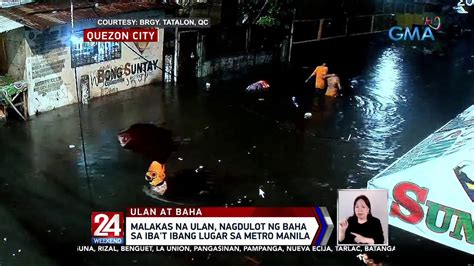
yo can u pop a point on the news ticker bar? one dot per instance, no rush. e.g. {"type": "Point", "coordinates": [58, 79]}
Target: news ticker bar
{"type": "Point", "coordinates": [209, 226]}
{"type": "Point", "coordinates": [230, 249]}
{"type": "Point", "coordinates": [156, 22]}
{"type": "Point", "coordinates": [228, 226]}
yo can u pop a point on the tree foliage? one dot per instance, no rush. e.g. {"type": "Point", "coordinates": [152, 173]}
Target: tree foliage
{"type": "Point", "coordinates": [268, 13]}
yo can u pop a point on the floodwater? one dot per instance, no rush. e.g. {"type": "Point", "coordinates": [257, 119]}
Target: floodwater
{"type": "Point", "coordinates": [399, 96]}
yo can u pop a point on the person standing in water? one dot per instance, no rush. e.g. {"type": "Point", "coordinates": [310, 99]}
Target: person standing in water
{"type": "Point", "coordinates": [334, 85]}
{"type": "Point", "coordinates": [320, 73]}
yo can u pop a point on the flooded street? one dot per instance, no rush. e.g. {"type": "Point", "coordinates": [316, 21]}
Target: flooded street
{"type": "Point", "coordinates": [399, 97]}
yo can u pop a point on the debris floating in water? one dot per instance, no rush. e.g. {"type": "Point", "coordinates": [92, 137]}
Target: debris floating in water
{"type": "Point", "coordinates": [206, 128]}
{"type": "Point", "coordinates": [293, 99]}
{"type": "Point", "coordinates": [71, 146]}
{"type": "Point", "coordinates": [219, 161]}
{"type": "Point", "coordinates": [5, 239]}
{"type": "Point", "coordinates": [308, 115]}
{"type": "Point", "coordinates": [19, 251]}
{"type": "Point", "coordinates": [179, 158]}
{"type": "Point", "coordinates": [199, 168]}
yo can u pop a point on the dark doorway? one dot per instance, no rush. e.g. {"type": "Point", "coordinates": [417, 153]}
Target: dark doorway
{"type": "Point", "coordinates": [187, 56]}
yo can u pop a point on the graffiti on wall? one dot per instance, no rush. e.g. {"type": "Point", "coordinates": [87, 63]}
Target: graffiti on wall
{"type": "Point", "coordinates": [48, 64]}
{"type": "Point", "coordinates": [45, 66]}
{"type": "Point", "coordinates": [45, 72]}
{"type": "Point", "coordinates": [46, 86]}
{"type": "Point", "coordinates": [130, 73]}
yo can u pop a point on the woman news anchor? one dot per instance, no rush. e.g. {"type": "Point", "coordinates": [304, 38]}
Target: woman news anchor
{"type": "Point", "coordinates": [362, 227]}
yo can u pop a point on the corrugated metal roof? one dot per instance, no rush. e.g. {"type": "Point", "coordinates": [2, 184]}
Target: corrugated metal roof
{"type": "Point", "coordinates": [42, 16]}
{"type": "Point", "coordinates": [7, 24]}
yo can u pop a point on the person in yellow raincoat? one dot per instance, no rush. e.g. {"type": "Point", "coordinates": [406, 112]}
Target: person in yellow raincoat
{"type": "Point", "coordinates": [320, 72]}
{"type": "Point", "coordinates": [156, 175]}
{"type": "Point", "coordinates": [334, 85]}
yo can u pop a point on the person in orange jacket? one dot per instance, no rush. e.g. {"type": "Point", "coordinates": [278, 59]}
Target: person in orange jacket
{"type": "Point", "coordinates": [156, 176]}
{"type": "Point", "coordinates": [320, 72]}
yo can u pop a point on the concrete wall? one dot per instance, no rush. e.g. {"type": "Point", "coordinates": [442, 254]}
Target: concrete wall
{"type": "Point", "coordinates": [130, 71]}
{"type": "Point", "coordinates": [51, 79]}
{"type": "Point", "coordinates": [48, 69]}
{"type": "Point", "coordinates": [15, 50]}
{"type": "Point", "coordinates": [224, 65]}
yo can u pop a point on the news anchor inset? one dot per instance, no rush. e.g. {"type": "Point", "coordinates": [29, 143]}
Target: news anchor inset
{"type": "Point", "coordinates": [362, 227]}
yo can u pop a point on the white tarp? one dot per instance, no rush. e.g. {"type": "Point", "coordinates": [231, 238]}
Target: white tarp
{"type": "Point", "coordinates": [9, 3]}
{"type": "Point", "coordinates": [7, 24]}
{"type": "Point", "coordinates": [431, 188]}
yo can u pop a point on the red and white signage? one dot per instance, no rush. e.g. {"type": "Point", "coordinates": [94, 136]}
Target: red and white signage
{"type": "Point", "coordinates": [107, 227]}
{"type": "Point", "coordinates": [120, 35]}
{"type": "Point", "coordinates": [431, 188]}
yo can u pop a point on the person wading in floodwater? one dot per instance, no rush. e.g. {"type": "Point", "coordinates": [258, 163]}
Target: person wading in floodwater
{"type": "Point", "coordinates": [334, 85]}
{"type": "Point", "coordinates": [320, 73]}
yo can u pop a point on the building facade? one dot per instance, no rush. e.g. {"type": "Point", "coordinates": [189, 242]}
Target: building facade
{"type": "Point", "coordinates": [61, 70]}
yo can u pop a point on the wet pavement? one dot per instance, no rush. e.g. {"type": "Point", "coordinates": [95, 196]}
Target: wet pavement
{"type": "Point", "coordinates": [400, 96]}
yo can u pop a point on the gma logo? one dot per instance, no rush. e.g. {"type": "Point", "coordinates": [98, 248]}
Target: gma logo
{"type": "Point", "coordinates": [397, 33]}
